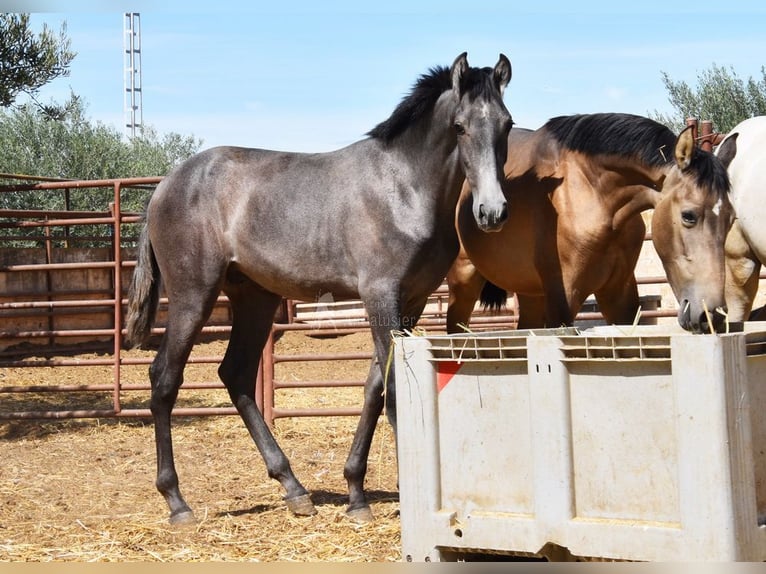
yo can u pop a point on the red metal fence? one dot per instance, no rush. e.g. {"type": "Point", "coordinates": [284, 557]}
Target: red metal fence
{"type": "Point", "coordinates": [37, 321]}
{"type": "Point", "coordinates": [704, 134]}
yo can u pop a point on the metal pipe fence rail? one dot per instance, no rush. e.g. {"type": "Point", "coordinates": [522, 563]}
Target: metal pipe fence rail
{"type": "Point", "coordinates": [29, 316]}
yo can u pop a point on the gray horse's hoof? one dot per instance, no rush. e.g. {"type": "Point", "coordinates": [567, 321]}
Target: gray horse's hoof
{"type": "Point", "coordinates": [361, 515]}
{"type": "Point", "coordinates": [184, 518]}
{"type": "Point", "coordinates": [301, 505]}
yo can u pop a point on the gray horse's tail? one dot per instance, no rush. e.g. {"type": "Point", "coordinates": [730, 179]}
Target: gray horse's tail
{"type": "Point", "coordinates": [493, 297]}
{"type": "Point", "coordinates": [144, 293]}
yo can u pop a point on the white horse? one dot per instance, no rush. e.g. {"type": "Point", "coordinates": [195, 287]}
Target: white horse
{"type": "Point", "coordinates": [746, 241]}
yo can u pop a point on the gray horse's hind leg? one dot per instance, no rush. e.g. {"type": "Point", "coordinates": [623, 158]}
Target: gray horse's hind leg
{"type": "Point", "coordinates": [186, 316]}
{"type": "Point", "coordinates": [253, 313]}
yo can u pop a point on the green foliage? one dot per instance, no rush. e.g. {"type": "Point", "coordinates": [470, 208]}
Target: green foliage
{"type": "Point", "coordinates": [76, 148]}
{"type": "Point", "coordinates": [29, 61]}
{"type": "Point", "coordinates": [59, 141]}
{"type": "Point", "coordinates": [720, 96]}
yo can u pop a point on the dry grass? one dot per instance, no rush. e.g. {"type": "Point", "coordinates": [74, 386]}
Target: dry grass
{"type": "Point", "coordinates": [83, 490]}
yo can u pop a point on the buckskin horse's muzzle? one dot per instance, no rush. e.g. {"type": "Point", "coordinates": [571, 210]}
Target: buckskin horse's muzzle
{"type": "Point", "coordinates": [698, 320]}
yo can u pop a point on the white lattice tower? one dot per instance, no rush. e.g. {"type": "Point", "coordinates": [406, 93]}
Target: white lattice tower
{"type": "Point", "coordinates": [132, 69]}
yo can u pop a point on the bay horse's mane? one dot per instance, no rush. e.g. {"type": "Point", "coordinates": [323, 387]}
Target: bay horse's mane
{"type": "Point", "coordinates": [614, 134]}
{"type": "Point", "coordinates": [428, 88]}
{"type": "Point", "coordinates": [638, 137]}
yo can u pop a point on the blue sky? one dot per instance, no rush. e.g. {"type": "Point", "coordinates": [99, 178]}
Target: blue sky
{"type": "Point", "coordinates": [315, 76]}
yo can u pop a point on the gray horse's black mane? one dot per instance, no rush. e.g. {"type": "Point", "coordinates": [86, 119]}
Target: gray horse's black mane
{"type": "Point", "coordinates": [635, 136]}
{"type": "Point", "coordinates": [477, 82]}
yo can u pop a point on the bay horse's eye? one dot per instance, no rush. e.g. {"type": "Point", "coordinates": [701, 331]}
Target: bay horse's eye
{"type": "Point", "coordinates": [459, 129]}
{"type": "Point", "coordinates": [689, 218]}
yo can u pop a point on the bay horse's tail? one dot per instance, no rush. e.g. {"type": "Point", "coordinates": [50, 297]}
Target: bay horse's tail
{"type": "Point", "coordinates": [144, 293]}
{"type": "Point", "coordinates": [493, 298]}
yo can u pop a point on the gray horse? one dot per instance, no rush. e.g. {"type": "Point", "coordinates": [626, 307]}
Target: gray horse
{"type": "Point", "coordinates": [373, 221]}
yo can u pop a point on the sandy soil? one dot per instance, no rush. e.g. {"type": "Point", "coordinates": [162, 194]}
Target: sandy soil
{"type": "Point", "coordinates": [83, 489]}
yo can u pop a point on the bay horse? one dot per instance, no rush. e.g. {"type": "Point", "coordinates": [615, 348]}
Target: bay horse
{"type": "Point", "coordinates": [371, 221]}
{"type": "Point", "coordinates": [576, 188]}
{"type": "Point", "coordinates": [746, 242]}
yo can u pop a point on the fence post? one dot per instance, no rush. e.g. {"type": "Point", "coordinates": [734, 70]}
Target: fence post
{"type": "Point", "coordinates": [117, 239]}
{"type": "Point", "coordinates": [706, 135]}
{"type": "Point", "coordinates": [49, 280]}
{"type": "Point", "coordinates": [693, 122]}
{"type": "Point", "coordinates": [267, 380]}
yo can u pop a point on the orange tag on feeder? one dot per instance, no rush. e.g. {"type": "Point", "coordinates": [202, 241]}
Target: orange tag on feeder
{"type": "Point", "coordinates": [445, 372]}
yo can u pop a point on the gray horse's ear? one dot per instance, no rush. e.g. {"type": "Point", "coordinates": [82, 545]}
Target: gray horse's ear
{"type": "Point", "coordinates": [727, 150]}
{"type": "Point", "coordinates": [684, 148]}
{"type": "Point", "coordinates": [502, 74]}
{"type": "Point", "coordinates": [459, 66]}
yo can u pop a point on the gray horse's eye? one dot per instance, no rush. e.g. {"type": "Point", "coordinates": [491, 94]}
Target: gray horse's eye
{"type": "Point", "coordinates": [459, 129]}
{"type": "Point", "coordinates": [689, 218]}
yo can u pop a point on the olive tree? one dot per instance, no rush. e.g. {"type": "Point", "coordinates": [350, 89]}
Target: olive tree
{"type": "Point", "coordinates": [75, 147]}
{"type": "Point", "coordinates": [28, 61]}
{"type": "Point", "coordinates": [720, 95]}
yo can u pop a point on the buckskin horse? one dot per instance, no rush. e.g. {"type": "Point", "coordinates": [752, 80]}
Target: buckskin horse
{"type": "Point", "coordinates": [576, 188]}
{"type": "Point", "coordinates": [371, 221]}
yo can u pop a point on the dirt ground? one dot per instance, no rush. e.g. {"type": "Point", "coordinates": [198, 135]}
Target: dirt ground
{"type": "Point", "coordinates": [83, 489]}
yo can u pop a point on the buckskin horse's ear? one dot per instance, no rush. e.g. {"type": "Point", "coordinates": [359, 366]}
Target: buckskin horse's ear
{"type": "Point", "coordinates": [727, 150]}
{"type": "Point", "coordinates": [684, 148]}
{"type": "Point", "coordinates": [502, 73]}
{"type": "Point", "coordinates": [459, 66]}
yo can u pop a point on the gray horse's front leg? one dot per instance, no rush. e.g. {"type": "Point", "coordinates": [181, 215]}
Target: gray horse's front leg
{"type": "Point", "coordinates": [355, 469]}
{"type": "Point", "coordinates": [383, 320]}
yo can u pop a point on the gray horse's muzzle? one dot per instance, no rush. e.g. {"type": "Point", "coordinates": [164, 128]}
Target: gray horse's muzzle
{"type": "Point", "coordinates": [490, 220]}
